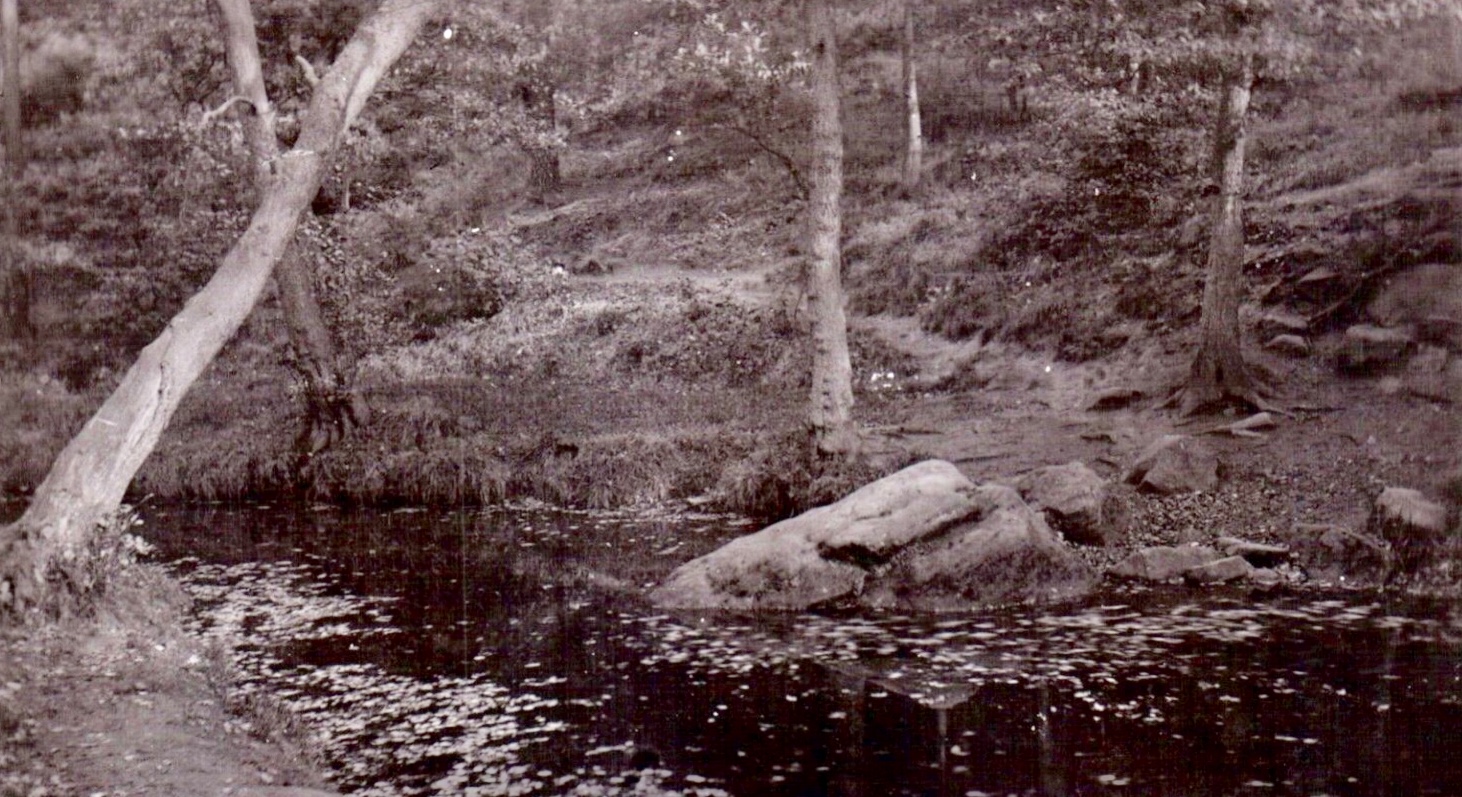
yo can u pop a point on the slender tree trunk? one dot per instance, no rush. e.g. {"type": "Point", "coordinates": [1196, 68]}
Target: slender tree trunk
{"type": "Point", "coordinates": [89, 478]}
{"type": "Point", "coordinates": [15, 313]}
{"type": "Point", "coordinates": [914, 138]}
{"type": "Point", "coordinates": [332, 408]}
{"type": "Point", "coordinates": [832, 370]}
{"type": "Point", "coordinates": [1219, 374]}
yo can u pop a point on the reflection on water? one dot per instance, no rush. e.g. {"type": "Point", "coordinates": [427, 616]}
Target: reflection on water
{"type": "Point", "coordinates": [504, 653]}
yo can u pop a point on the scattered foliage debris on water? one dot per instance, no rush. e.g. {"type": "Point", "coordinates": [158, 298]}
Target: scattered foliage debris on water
{"type": "Point", "coordinates": [493, 668]}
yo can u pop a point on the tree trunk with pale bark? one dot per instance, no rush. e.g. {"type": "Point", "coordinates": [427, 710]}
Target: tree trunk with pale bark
{"type": "Point", "coordinates": [832, 371]}
{"type": "Point", "coordinates": [1219, 374]}
{"type": "Point", "coordinates": [16, 289]}
{"type": "Point", "coordinates": [88, 480]}
{"type": "Point", "coordinates": [332, 407]}
{"type": "Point", "coordinates": [914, 130]}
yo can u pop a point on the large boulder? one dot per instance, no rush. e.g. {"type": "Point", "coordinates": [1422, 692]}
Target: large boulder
{"type": "Point", "coordinates": [1414, 526]}
{"type": "Point", "coordinates": [1075, 501]}
{"type": "Point", "coordinates": [1006, 554]}
{"type": "Point", "coordinates": [924, 538]}
{"type": "Point", "coordinates": [821, 555]}
{"type": "Point", "coordinates": [1338, 555]}
{"type": "Point", "coordinates": [1175, 464]}
{"type": "Point", "coordinates": [880, 519]}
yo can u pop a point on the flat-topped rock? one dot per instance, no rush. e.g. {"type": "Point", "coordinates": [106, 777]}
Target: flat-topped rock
{"type": "Point", "coordinates": [1256, 553]}
{"type": "Point", "coordinates": [1163, 562]}
{"type": "Point", "coordinates": [1368, 348]}
{"type": "Point", "coordinates": [925, 538]}
{"type": "Point", "coordinates": [1219, 571]}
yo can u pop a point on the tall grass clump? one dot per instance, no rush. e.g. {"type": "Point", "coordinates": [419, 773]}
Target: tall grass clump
{"type": "Point", "coordinates": [782, 477]}
{"type": "Point", "coordinates": [109, 576]}
{"type": "Point", "coordinates": [626, 469]}
{"type": "Point", "coordinates": [38, 415]}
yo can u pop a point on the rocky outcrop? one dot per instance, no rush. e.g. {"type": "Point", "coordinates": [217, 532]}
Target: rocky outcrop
{"type": "Point", "coordinates": [1338, 555]}
{"type": "Point", "coordinates": [923, 538]}
{"type": "Point", "coordinates": [1414, 526]}
{"type": "Point", "coordinates": [1175, 464]}
{"type": "Point", "coordinates": [1076, 503]}
{"type": "Point", "coordinates": [821, 555]}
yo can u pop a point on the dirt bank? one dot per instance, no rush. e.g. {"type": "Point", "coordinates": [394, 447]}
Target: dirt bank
{"type": "Point", "coordinates": [130, 705]}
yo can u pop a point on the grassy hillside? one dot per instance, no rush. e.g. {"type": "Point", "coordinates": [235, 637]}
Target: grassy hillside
{"type": "Point", "coordinates": [639, 336]}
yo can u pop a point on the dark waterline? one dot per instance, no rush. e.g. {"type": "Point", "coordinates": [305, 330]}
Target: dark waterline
{"type": "Point", "coordinates": [505, 653]}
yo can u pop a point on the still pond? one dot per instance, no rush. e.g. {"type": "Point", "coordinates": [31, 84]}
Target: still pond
{"type": "Point", "coordinates": [506, 652]}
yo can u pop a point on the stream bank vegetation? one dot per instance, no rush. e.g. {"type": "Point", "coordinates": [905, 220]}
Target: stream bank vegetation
{"type": "Point", "coordinates": [567, 256]}
{"type": "Point", "coordinates": [637, 331]}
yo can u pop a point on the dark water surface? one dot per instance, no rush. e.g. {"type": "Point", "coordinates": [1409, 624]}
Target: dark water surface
{"type": "Point", "coordinates": [503, 652]}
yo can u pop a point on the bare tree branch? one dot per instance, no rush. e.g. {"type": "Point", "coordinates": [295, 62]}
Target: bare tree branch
{"type": "Point", "coordinates": [311, 77]}
{"type": "Point", "coordinates": [209, 116]}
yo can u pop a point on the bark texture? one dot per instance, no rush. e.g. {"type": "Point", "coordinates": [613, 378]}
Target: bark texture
{"type": "Point", "coordinates": [914, 130]}
{"type": "Point", "coordinates": [536, 93]}
{"type": "Point", "coordinates": [332, 407]}
{"type": "Point", "coordinates": [15, 313]}
{"type": "Point", "coordinates": [89, 478]}
{"type": "Point", "coordinates": [1219, 374]}
{"type": "Point", "coordinates": [832, 370]}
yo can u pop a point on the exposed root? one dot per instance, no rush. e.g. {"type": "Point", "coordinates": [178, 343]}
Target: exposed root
{"type": "Point", "coordinates": [330, 417]}
{"type": "Point", "coordinates": [1211, 389]}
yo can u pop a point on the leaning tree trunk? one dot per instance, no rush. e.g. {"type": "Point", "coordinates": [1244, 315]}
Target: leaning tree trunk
{"type": "Point", "coordinates": [16, 290]}
{"type": "Point", "coordinates": [832, 371]}
{"type": "Point", "coordinates": [1219, 374]}
{"type": "Point", "coordinates": [89, 478]}
{"type": "Point", "coordinates": [914, 130]}
{"type": "Point", "coordinates": [332, 407]}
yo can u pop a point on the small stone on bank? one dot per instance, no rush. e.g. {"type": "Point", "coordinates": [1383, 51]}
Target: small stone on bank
{"type": "Point", "coordinates": [1220, 571]}
{"type": "Point", "coordinates": [1289, 345]}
